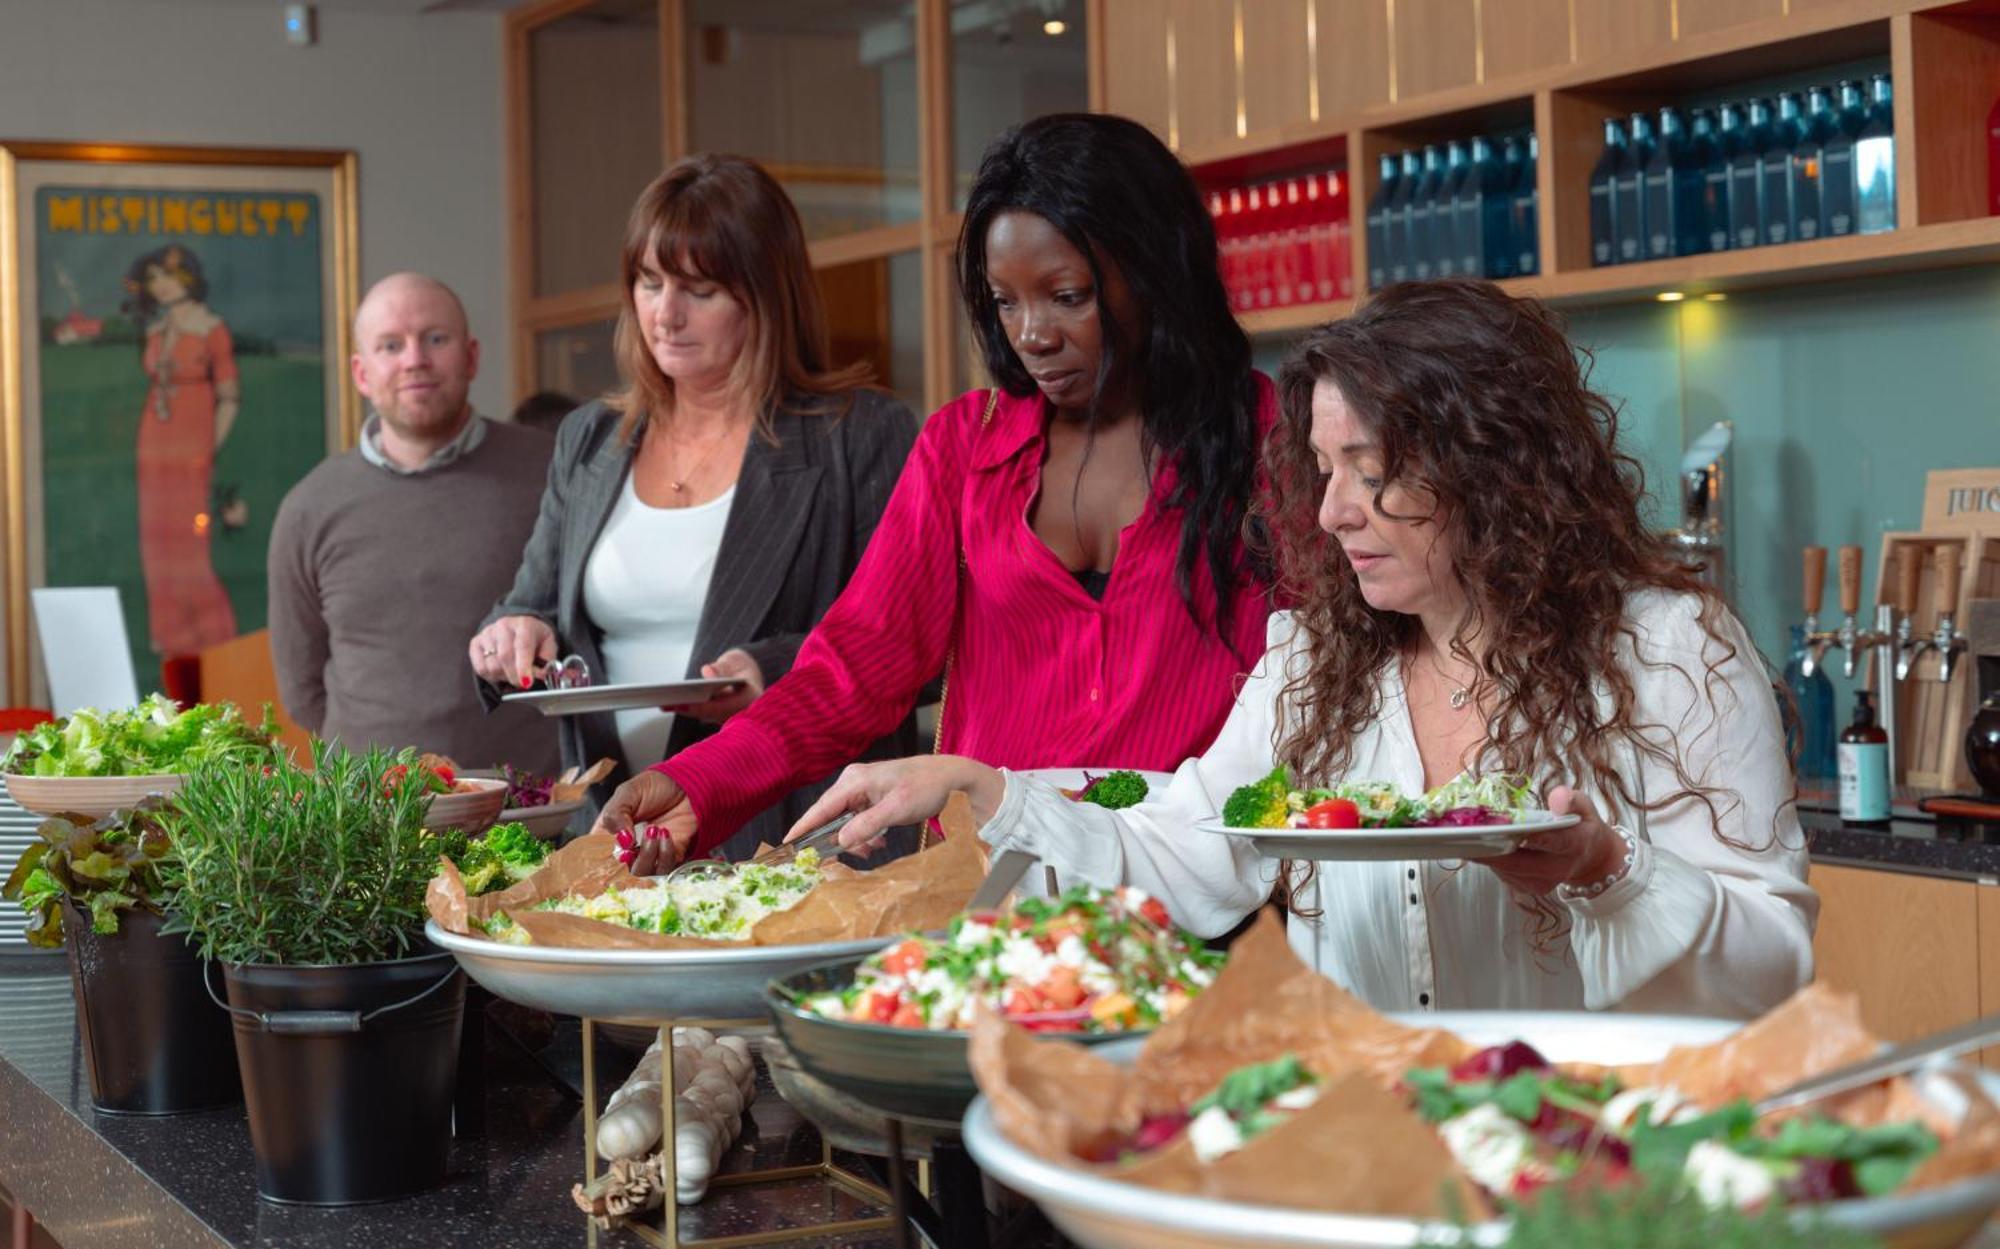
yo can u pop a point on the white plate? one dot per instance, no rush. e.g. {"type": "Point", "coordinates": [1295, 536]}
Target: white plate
{"type": "Point", "coordinates": [629, 697]}
{"type": "Point", "coordinates": [546, 821]}
{"type": "Point", "coordinates": [1467, 841]}
{"type": "Point", "coordinates": [1098, 1212]}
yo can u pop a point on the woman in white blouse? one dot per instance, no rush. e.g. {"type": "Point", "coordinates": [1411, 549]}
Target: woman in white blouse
{"type": "Point", "coordinates": [1475, 589]}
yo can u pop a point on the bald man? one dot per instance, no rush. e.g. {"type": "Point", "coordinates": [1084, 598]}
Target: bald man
{"type": "Point", "coordinates": [384, 560]}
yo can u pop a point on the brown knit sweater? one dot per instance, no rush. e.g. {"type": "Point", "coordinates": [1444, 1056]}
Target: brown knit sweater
{"type": "Point", "coordinates": [378, 582]}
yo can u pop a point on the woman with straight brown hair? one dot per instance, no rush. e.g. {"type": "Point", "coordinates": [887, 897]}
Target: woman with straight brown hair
{"type": "Point", "coordinates": [700, 520]}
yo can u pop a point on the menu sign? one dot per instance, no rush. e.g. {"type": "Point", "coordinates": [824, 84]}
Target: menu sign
{"type": "Point", "coordinates": [1962, 500]}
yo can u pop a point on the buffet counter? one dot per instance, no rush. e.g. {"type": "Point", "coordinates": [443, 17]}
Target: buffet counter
{"type": "Point", "coordinates": [97, 1181]}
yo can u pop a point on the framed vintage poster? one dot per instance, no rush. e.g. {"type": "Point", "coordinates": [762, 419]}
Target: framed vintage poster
{"type": "Point", "coordinates": [173, 343]}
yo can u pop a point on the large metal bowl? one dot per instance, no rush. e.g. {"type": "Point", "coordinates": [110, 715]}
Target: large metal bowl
{"type": "Point", "coordinates": [919, 1076]}
{"type": "Point", "coordinates": [1102, 1213]}
{"type": "Point", "coordinates": [639, 986]}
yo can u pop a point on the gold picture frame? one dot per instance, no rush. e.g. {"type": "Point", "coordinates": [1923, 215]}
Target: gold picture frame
{"type": "Point", "coordinates": [260, 257]}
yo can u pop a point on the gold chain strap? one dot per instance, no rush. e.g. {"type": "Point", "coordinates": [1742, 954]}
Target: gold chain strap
{"type": "Point", "coordinates": [926, 837]}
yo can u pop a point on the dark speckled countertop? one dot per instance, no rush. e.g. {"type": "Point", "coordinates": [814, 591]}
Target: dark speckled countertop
{"type": "Point", "coordinates": [100, 1181]}
{"type": "Point", "coordinates": [1911, 842]}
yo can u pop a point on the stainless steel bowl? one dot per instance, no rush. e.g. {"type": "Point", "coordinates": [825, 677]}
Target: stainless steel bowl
{"type": "Point", "coordinates": [639, 986]}
{"type": "Point", "coordinates": [919, 1076]}
{"type": "Point", "coordinates": [1102, 1213]}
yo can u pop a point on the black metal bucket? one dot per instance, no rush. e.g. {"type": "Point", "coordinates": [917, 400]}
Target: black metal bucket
{"type": "Point", "coordinates": [153, 1043]}
{"type": "Point", "coordinates": [348, 1076]}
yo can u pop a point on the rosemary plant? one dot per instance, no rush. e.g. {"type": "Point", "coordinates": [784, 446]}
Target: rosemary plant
{"type": "Point", "coordinates": [283, 864]}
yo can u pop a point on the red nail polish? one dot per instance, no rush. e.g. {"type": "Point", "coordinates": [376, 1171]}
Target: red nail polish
{"type": "Point", "coordinates": [526, 682]}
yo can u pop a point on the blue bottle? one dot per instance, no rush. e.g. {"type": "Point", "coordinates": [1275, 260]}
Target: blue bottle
{"type": "Point", "coordinates": [1699, 152]}
{"type": "Point", "coordinates": [1401, 253]}
{"type": "Point", "coordinates": [1423, 211]}
{"type": "Point", "coordinates": [1807, 159]}
{"type": "Point", "coordinates": [1746, 179]}
{"type": "Point", "coordinates": [1809, 726]}
{"type": "Point", "coordinates": [1503, 248]}
{"type": "Point", "coordinates": [1875, 162]}
{"type": "Point", "coordinates": [1604, 195]}
{"type": "Point", "coordinates": [1378, 224]}
{"type": "Point", "coordinates": [1716, 196]}
{"type": "Point", "coordinates": [1527, 210]}
{"type": "Point", "coordinates": [1630, 188]}
{"type": "Point", "coordinates": [1837, 210]}
{"type": "Point", "coordinates": [1788, 130]}
{"type": "Point", "coordinates": [1475, 197]}
{"type": "Point", "coordinates": [1447, 241]}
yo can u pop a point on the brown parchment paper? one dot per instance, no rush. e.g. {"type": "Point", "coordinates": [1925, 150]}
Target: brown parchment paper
{"type": "Point", "coordinates": [1357, 1149]}
{"type": "Point", "coordinates": [1361, 1148]}
{"type": "Point", "coordinates": [919, 892]}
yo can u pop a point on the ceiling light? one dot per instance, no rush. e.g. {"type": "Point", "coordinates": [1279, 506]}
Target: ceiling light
{"type": "Point", "coordinates": [1715, 297]}
{"type": "Point", "coordinates": [1054, 26]}
{"type": "Point", "coordinates": [1670, 297]}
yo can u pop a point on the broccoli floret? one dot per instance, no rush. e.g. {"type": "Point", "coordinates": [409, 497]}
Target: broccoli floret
{"type": "Point", "coordinates": [1260, 804]}
{"type": "Point", "coordinates": [1116, 790]}
{"type": "Point", "coordinates": [518, 851]}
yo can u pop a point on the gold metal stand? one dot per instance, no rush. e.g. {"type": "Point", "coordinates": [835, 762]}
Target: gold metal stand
{"type": "Point", "coordinates": [668, 1236]}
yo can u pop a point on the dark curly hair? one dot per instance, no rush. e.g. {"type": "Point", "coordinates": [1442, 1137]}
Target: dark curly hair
{"type": "Point", "coordinates": [174, 260]}
{"type": "Point", "coordinates": [1479, 402]}
{"type": "Point", "coordinates": [1121, 197]}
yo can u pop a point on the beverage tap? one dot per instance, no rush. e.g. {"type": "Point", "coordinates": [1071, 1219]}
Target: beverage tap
{"type": "Point", "coordinates": [1816, 640]}
{"type": "Point", "coordinates": [1848, 637]}
{"type": "Point", "coordinates": [1945, 638]}
{"type": "Point", "coordinates": [1909, 576]}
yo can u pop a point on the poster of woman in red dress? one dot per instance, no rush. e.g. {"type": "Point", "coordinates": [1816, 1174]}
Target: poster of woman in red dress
{"type": "Point", "coordinates": [192, 398]}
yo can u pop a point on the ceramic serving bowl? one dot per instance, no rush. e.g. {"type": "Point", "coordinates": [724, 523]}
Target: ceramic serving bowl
{"type": "Point", "coordinates": [94, 796]}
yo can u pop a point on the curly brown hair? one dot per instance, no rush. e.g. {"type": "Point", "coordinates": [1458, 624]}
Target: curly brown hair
{"type": "Point", "coordinates": [1480, 403]}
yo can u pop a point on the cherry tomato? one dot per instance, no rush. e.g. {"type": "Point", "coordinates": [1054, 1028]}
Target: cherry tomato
{"type": "Point", "coordinates": [882, 1006]}
{"type": "Point", "coordinates": [907, 1016]}
{"type": "Point", "coordinates": [1020, 1002]}
{"type": "Point", "coordinates": [1155, 911]}
{"type": "Point", "coordinates": [1063, 990]}
{"type": "Point", "coordinates": [1333, 813]}
{"type": "Point", "coordinates": [903, 959]}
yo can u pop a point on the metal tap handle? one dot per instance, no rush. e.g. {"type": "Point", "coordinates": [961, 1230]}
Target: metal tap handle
{"type": "Point", "coordinates": [1909, 572]}
{"type": "Point", "coordinates": [1850, 581]}
{"type": "Point", "coordinates": [1815, 579]}
{"type": "Point", "coordinates": [1944, 595]}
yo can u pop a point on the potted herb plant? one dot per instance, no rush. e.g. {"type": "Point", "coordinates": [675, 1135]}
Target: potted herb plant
{"type": "Point", "coordinates": [152, 1040]}
{"type": "Point", "coordinates": [307, 886]}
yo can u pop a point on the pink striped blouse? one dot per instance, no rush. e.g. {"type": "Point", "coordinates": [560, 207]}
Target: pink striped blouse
{"type": "Point", "coordinates": [1042, 675]}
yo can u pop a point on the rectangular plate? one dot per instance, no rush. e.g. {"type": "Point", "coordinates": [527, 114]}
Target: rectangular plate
{"type": "Point", "coordinates": [593, 698]}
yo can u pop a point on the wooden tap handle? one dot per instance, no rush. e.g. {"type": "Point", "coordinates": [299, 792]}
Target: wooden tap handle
{"type": "Point", "coordinates": [1815, 578]}
{"type": "Point", "coordinates": [1850, 580]}
{"type": "Point", "coordinates": [1909, 571]}
{"type": "Point", "coordinates": [1944, 595]}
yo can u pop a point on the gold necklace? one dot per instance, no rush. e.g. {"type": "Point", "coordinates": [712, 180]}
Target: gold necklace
{"type": "Point", "coordinates": [679, 485]}
{"type": "Point", "coordinates": [1458, 695]}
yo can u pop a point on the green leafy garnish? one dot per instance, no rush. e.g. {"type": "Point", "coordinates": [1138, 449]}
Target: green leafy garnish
{"type": "Point", "coordinates": [104, 866]}
{"type": "Point", "coordinates": [156, 738]}
{"type": "Point", "coordinates": [1114, 790]}
{"type": "Point", "coordinates": [1260, 804]}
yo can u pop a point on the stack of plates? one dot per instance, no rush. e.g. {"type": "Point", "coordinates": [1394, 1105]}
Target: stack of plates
{"type": "Point", "coordinates": [17, 833]}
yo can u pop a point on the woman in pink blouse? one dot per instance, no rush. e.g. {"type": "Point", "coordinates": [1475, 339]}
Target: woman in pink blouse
{"type": "Point", "coordinates": [1067, 549]}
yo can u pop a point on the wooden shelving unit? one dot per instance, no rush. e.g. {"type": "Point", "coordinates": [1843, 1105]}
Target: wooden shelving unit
{"type": "Point", "coordinates": [1944, 59]}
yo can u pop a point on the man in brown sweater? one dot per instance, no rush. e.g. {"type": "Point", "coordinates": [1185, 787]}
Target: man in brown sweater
{"type": "Point", "coordinates": [383, 561]}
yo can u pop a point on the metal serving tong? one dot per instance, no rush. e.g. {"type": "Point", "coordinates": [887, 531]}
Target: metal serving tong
{"type": "Point", "coordinates": [769, 856]}
{"type": "Point", "coordinates": [567, 673]}
{"type": "Point", "coordinates": [1893, 1061]}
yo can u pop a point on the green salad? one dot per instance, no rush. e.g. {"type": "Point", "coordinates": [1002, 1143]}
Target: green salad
{"type": "Point", "coordinates": [724, 906]}
{"type": "Point", "coordinates": [156, 738]}
{"type": "Point", "coordinates": [1272, 802]}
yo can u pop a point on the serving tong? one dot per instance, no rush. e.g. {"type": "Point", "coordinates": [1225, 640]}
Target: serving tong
{"type": "Point", "coordinates": [567, 673]}
{"type": "Point", "coordinates": [769, 856]}
{"type": "Point", "coordinates": [1895, 1060]}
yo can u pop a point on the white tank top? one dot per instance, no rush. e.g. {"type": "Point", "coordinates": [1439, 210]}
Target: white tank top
{"type": "Point", "coordinates": [643, 587]}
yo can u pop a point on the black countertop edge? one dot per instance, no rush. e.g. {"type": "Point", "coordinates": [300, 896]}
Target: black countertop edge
{"type": "Point", "coordinates": [49, 1155]}
{"type": "Point", "coordinates": [1969, 852]}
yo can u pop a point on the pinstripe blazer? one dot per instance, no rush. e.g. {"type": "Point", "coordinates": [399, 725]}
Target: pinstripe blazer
{"type": "Point", "coordinates": [803, 513]}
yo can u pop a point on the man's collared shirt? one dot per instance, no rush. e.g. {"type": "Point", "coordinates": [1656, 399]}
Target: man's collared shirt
{"type": "Point", "coordinates": [471, 436]}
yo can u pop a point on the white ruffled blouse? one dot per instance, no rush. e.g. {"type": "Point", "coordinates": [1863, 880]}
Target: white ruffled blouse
{"type": "Point", "coordinates": [1698, 926]}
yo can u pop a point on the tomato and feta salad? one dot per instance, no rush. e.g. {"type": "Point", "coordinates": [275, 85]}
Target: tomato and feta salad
{"type": "Point", "coordinates": [1092, 960]}
{"type": "Point", "coordinates": [1516, 1125]}
{"type": "Point", "coordinates": [1272, 802]}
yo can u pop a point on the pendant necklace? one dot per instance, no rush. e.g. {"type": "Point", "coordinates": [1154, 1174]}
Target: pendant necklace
{"type": "Point", "coordinates": [680, 486]}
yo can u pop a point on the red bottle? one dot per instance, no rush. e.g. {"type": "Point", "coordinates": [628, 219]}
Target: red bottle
{"type": "Point", "coordinates": [1343, 234]}
{"type": "Point", "coordinates": [1289, 268]}
{"type": "Point", "coordinates": [1237, 270]}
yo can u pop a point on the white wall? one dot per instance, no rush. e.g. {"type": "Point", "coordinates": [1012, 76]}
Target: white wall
{"type": "Point", "coordinates": [418, 98]}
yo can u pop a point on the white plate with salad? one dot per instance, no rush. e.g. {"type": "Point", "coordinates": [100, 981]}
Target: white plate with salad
{"type": "Point", "coordinates": [1373, 821]}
